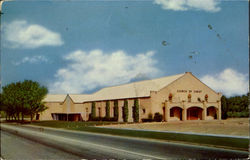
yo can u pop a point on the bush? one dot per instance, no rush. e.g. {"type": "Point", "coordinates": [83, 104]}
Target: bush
{"type": "Point", "coordinates": [150, 116]}
{"type": "Point", "coordinates": [237, 114]}
{"type": "Point", "coordinates": [158, 117]}
{"type": "Point", "coordinates": [108, 109]}
{"type": "Point", "coordinates": [147, 120]}
{"type": "Point", "coordinates": [116, 109]}
{"type": "Point", "coordinates": [93, 111]}
{"type": "Point", "coordinates": [136, 111]}
{"type": "Point", "coordinates": [102, 118]}
{"type": "Point", "coordinates": [125, 111]}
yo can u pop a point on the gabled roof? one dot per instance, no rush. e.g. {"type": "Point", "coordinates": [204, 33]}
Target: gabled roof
{"type": "Point", "coordinates": [130, 90]}
{"type": "Point", "coordinates": [133, 90]}
{"type": "Point", "coordinates": [80, 98]}
{"type": "Point", "coordinates": [54, 98]}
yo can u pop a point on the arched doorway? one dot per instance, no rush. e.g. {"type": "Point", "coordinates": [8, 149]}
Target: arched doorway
{"type": "Point", "coordinates": [176, 113]}
{"type": "Point", "coordinates": [194, 113]}
{"type": "Point", "coordinates": [211, 113]}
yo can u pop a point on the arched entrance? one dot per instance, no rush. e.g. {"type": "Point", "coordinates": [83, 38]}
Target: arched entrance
{"type": "Point", "coordinates": [211, 113]}
{"type": "Point", "coordinates": [194, 113]}
{"type": "Point", "coordinates": [176, 113]}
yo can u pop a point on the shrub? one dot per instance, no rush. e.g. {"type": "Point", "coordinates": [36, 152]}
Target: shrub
{"type": "Point", "coordinates": [147, 120]}
{"type": "Point", "coordinates": [125, 111]}
{"type": "Point", "coordinates": [136, 111]}
{"type": "Point", "coordinates": [93, 111]}
{"type": "Point", "coordinates": [107, 109]}
{"type": "Point", "coordinates": [150, 116]}
{"type": "Point", "coordinates": [158, 117]}
{"type": "Point", "coordinates": [237, 114]}
{"type": "Point", "coordinates": [116, 110]}
{"type": "Point", "coordinates": [102, 118]}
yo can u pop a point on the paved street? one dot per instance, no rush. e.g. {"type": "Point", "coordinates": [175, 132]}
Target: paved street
{"type": "Point", "coordinates": [101, 146]}
{"type": "Point", "coordinates": [15, 147]}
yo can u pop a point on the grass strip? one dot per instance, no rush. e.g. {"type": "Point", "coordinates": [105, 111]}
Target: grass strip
{"type": "Point", "coordinates": [239, 143]}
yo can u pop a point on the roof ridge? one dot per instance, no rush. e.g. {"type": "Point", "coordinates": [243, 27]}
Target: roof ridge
{"type": "Point", "coordinates": [137, 82]}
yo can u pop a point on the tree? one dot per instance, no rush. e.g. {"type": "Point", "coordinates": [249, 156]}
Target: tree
{"type": "Point", "coordinates": [224, 108]}
{"type": "Point", "coordinates": [93, 110]}
{"type": "Point", "coordinates": [125, 111]}
{"type": "Point", "coordinates": [32, 97]}
{"type": "Point", "coordinates": [236, 106]}
{"type": "Point", "coordinates": [24, 98]}
{"type": "Point", "coordinates": [136, 110]}
{"type": "Point", "coordinates": [116, 113]}
{"type": "Point", "coordinates": [107, 109]}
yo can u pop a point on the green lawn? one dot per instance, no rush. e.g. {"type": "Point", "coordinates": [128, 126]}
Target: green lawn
{"type": "Point", "coordinates": [226, 142]}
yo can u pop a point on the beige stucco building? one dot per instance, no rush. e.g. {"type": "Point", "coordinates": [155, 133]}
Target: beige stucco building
{"type": "Point", "coordinates": [178, 97]}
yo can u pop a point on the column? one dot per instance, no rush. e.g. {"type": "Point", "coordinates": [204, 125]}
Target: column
{"type": "Point", "coordinates": [167, 111]}
{"type": "Point", "coordinates": [219, 111]}
{"type": "Point", "coordinates": [120, 119]}
{"type": "Point", "coordinates": [184, 112]}
{"type": "Point", "coordinates": [130, 110]}
{"type": "Point", "coordinates": [204, 112]}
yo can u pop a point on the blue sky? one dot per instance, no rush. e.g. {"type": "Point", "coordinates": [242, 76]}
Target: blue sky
{"type": "Point", "coordinates": [82, 46]}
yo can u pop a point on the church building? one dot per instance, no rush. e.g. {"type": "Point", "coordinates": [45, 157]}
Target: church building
{"type": "Point", "coordinates": [179, 97]}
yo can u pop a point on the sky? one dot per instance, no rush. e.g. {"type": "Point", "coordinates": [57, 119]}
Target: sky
{"type": "Point", "coordinates": [82, 46]}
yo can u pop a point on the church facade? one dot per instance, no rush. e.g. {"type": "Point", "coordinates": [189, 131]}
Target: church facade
{"type": "Point", "coordinates": [179, 97]}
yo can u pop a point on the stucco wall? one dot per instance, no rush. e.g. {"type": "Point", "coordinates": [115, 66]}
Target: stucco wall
{"type": "Point", "coordinates": [180, 89]}
{"type": "Point", "coordinates": [53, 107]}
{"type": "Point", "coordinates": [144, 103]}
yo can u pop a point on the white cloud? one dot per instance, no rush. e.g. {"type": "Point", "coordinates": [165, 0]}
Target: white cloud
{"type": "Point", "coordinates": [20, 34]}
{"type": "Point", "coordinates": [89, 70]}
{"type": "Point", "coordinates": [183, 5]}
{"type": "Point", "coordinates": [229, 82]}
{"type": "Point", "coordinates": [33, 60]}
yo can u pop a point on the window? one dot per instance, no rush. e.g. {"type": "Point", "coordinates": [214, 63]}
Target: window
{"type": "Point", "coordinates": [206, 97]}
{"type": "Point", "coordinates": [170, 97]}
{"type": "Point", "coordinates": [198, 99]}
{"type": "Point", "coordinates": [99, 111]}
{"type": "Point", "coordinates": [189, 97]}
{"type": "Point", "coordinates": [143, 110]}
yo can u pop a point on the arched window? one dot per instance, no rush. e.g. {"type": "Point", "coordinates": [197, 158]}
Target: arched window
{"type": "Point", "coordinates": [189, 97]}
{"type": "Point", "coordinates": [206, 97]}
{"type": "Point", "coordinates": [170, 97]}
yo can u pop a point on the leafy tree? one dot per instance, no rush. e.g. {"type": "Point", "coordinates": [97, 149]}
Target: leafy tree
{"type": "Point", "coordinates": [116, 113]}
{"type": "Point", "coordinates": [236, 106]}
{"type": "Point", "coordinates": [93, 110]}
{"type": "Point", "coordinates": [23, 98]}
{"type": "Point", "coordinates": [125, 111]}
{"type": "Point", "coordinates": [32, 97]}
{"type": "Point", "coordinates": [107, 109]}
{"type": "Point", "coordinates": [136, 110]}
{"type": "Point", "coordinates": [224, 108]}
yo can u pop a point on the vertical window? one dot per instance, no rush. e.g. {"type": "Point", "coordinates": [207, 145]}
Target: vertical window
{"type": "Point", "coordinates": [206, 97]}
{"type": "Point", "coordinates": [189, 97]}
{"type": "Point", "coordinates": [170, 97]}
{"type": "Point", "coordinates": [99, 112]}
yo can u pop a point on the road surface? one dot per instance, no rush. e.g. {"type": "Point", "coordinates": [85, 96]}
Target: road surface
{"type": "Point", "coordinates": [15, 147]}
{"type": "Point", "coordinates": [100, 146]}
